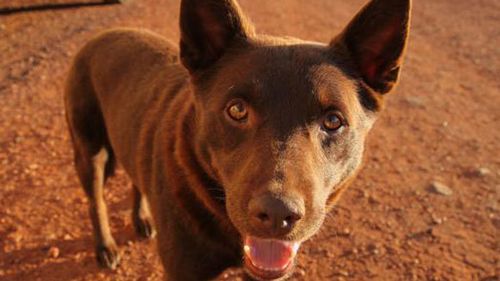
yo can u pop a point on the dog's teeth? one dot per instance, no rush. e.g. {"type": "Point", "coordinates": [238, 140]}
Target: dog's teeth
{"type": "Point", "coordinates": [295, 248]}
{"type": "Point", "coordinates": [247, 249]}
{"type": "Point", "coordinates": [265, 268]}
{"type": "Point", "coordinates": [272, 268]}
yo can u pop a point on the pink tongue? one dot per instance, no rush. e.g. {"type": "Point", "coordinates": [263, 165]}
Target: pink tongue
{"type": "Point", "coordinates": [270, 254]}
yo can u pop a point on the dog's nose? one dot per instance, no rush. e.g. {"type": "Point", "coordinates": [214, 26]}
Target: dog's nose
{"type": "Point", "coordinates": [272, 216]}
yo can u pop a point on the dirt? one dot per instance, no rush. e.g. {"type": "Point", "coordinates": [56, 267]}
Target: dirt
{"type": "Point", "coordinates": [439, 129]}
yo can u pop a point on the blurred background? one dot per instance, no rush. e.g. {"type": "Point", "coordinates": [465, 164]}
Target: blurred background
{"type": "Point", "coordinates": [425, 206]}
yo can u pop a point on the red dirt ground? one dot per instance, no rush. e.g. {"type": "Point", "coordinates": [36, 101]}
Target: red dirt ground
{"type": "Point", "coordinates": [440, 125]}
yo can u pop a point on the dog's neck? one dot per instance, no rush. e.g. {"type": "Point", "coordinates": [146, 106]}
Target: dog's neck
{"type": "Point", "coordinates": [201, 186]}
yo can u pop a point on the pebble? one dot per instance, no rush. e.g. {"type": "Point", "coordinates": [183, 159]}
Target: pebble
{"type": "Point", "coordinates": [373, 200]}
{"type": "Point", "coordinates": [366, 194]}
{"type": "Point", "coordinates": [343, 273]}
{"type": "Point", "coordinates": [299, 272]}
{"type": "Point", "coordinates": [437, 220]}
{"type": "Point", "coordinates": [482, 172]}
{"type": "Point", "coordinates": [53, 252]}
{"type": "Point", "coordinates": [440, 188]}
{"type": "Point", "coordinates": [374, 249]}
{"type": "Point", "coordinates": [415, 101]}
{"type": "Point", "coordinates": [346, 231]}
{"type": "Point", "coordinates": [16, 237]}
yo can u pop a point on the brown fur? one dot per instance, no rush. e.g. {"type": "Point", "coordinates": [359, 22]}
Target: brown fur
{"type": "Point", "coordinates": [132, 99]}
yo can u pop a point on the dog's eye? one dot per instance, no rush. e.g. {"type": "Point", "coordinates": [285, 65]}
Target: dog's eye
{"type": "Point", "coordinates": [237, 110]}
{"type": "Point", "coordinates": [333, 122]}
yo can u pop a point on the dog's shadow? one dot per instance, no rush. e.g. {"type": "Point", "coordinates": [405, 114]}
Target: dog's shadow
{"type": "Point", "coordinates": [64, 258]}
{"type": "Point", "coordinates": [60, 259]}
{"type": "Point", "coordinates": [8, 10]}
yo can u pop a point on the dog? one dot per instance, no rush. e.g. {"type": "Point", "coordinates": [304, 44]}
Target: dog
{"type": "Point", "coordinates": [237, 144]}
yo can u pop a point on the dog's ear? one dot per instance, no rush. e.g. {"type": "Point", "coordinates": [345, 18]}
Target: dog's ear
{"type": "Point", "coordinates": [376, 40]}
{"type": "Point", "coordinates": [208, 28]}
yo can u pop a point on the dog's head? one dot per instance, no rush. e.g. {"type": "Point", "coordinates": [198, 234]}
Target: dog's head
{"type": "Point", "coordinates": [281, 123]}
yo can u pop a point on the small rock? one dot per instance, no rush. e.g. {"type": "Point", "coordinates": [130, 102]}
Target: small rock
{"type": "Point", "coordinates": [343, 273]}
{"type": "Point", "coordinates": [374, 249]}
{"type": "Point", "coordinates": [373, 200]}
{"type": "Point", "coordinates": [480, 172]}
{"type": "Point", "coordinates": [440, 188]}
{"type": "Point", "coordinates": [299, 272]}
{"type": "Point", "coordinates": [53, 252]}
{"type": "Point", "coordinates": [437, 220]}
{"type": "Point", "coordinates": [67, 237]}
{"type": "Point", "coordinates": [16, 237]}
{"type": "Point", "coordinates": [415, 101]}
{"type": "Point", "coordinates": [483, 172]}
{"type": "Point", "coordinates": [346, 231]}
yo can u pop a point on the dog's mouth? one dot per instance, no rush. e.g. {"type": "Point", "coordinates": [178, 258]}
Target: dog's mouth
{"type": "Point", "coordinates": [269, 259]}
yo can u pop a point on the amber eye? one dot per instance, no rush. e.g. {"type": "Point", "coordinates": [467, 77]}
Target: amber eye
{"type": "Point", "coordinates": [237, 110]}
{"type": "Point", "coordinates": [333, 122]}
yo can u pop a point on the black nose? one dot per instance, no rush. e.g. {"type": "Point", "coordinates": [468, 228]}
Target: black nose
{"type": "Point", "coordinates": [271, 216]}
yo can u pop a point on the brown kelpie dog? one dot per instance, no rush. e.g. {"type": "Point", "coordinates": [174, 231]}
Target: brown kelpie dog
{"type": "Point", "coordinates": [237, 145]}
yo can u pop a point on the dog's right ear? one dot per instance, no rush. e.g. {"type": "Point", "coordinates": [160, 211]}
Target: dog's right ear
{"type": "Point", "coordinates": [208, 28]}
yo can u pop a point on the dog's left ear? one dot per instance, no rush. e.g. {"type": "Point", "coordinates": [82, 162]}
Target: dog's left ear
{"type": "Point", "coordinates": [208, 29]}
{"type": "Point", "coordinates": [376, 40]}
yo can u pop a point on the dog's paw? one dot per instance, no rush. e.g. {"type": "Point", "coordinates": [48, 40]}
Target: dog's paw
{"type": "Point", "coordinates": [144, 227]}
{"type": "Point", "coordinates": [108, 256]}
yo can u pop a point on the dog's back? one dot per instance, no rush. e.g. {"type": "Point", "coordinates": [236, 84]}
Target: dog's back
{"type": "Point", "coordinates": [119, 71]}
